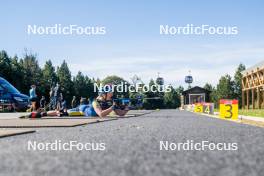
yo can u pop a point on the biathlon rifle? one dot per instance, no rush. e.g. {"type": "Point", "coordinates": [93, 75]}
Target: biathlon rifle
{"type": "Point", "coordinates": [123, 103]}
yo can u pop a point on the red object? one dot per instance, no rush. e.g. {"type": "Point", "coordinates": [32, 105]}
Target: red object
{"type": "Point", "coordinates": [33, 114]}
{"type": "Point", "coordinates": [226, 101]}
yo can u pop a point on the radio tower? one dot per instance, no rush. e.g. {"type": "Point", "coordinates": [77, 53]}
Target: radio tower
{"type": "Point", "coordinates": [159, 80]}
{"type": "Point", "coordinates": [189, 79]}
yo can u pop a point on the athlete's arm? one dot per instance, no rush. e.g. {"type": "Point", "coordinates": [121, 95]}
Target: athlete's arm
{"type": "Point", "coordinates": [99, 111]}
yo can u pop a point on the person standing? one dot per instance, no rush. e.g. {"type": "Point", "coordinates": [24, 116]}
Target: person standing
{"type": "Point", "coordinates": [33, 97]}
{"type": "Point", "coordinates": [42, 102]}
{"type": "Point", "coordinates": [56, 95]}
{"type": "Point", "coordinates": [59, 101]}
{"type": "Point", "coordinates": [52, 101]}
{"type": "Point", "coordinates": [73, 102]}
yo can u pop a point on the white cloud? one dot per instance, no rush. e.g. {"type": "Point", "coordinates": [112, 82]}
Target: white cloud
{"type": "Point", "coordinates": [206, 65]}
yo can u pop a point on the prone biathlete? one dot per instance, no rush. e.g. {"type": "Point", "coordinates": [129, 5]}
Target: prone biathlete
{"type": "Point", "coordinates": [101, 106]}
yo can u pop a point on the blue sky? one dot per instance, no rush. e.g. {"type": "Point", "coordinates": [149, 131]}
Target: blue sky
{"type": "Point", "coordinates": [133, 44]}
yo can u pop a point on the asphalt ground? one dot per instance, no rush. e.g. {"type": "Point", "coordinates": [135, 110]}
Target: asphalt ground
{"type": "Point", "coordinates": [132, 147]}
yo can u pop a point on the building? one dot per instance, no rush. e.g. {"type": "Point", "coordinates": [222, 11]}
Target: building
{"type": "Point", "coordinates": [195, 95]}
{"type": "Point", "coordinates": [253, 87]}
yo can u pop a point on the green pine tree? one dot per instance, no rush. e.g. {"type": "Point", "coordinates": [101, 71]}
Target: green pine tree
{"type": "Point", "coordinates": [65, 81]}
{"type": "Point", "coordinates": [238, 82]}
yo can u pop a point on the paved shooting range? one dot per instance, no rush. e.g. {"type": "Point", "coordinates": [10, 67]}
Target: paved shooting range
{"type": "Point", "coordinates": [133, 147]}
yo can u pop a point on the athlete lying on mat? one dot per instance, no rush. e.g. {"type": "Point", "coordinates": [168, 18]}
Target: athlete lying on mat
{"type": "Point", "coordinates": [42, 113]}
{"type": "Point", "coordinates": [102, 106]}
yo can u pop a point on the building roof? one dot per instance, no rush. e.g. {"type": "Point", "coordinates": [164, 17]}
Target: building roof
{"type": "Point", "coordinates": [253, 68]}
{"type": "Point", "coordinates": [196, 89]}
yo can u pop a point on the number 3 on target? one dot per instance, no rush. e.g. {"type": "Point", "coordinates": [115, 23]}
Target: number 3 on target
{"type": "Point", "coordinates": [229, 109]}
